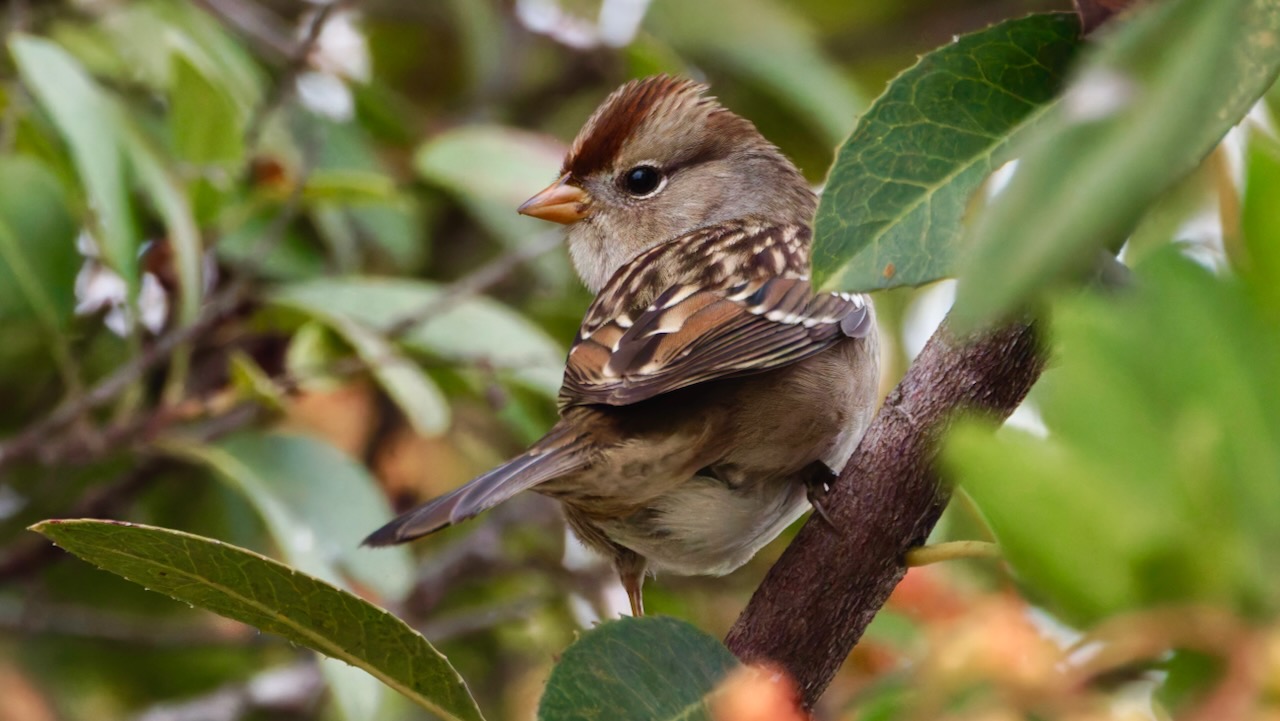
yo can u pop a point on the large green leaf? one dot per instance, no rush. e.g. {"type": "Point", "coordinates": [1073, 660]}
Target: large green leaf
{"type": "Point", "coordinates": [636, 669]}
{"type": "Point", "coordinates": [38, 256]}
{"type": "Point", "coordinates": [1155, 96]}
{"type": "Point", "coordinates": [86, 119]}
{"type": "Point", "coordinates": [317, 503]}
{"type": "Point", "coordinates": [893, 209]}
{"type": "Point", "coordinates": [470, 330]}
{"type": "Point", "coordinates": [1157, 482]}
{"type": "Point", "coordinates": [244, 586]}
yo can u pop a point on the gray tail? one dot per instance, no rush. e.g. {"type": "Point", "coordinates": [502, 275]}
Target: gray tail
{"type": "Point", "coordinates": [554, 455]}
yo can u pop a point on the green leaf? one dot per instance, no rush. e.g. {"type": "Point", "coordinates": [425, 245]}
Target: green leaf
{"type": "Point", "coordinates": [1150, 101]}
{"type": "Point", "coordinates": [167, 195]}
{"type": "Point", "coordinates": [421, 400]}
{"type": "Point", "coordinates": [767, 42]}
{"type": "Point", "coordinates": [1156, 484]}
{"type": "Point", "coordinates": [244, 586]}
{"type": "Point", "coordinates": [492, 170]}
{"type": "Point", "coordinates": [470, 330]}
{"type": "Point", "coordinates": [1260, 223]}
{"type": "Point", "coordinates": [252, 382]}
{"type": "Point", "coordinates": [317, 502]}
{"type": "Point", "coordinates": [893, 209]}
{"type": "Point", "coordinates": [85, 118]}
{"type": "Point", "coordinates": [38, 256]}
{"type": "Point", "coordinates": [636, 669]}
{"type": "Point", "coordinates": [205, 122]}
{"type": "Point", "coordinates": [206, 126]}
{"type": "Point", "coordinates": [355, 203]}
{"type": "Point", "coordinates": [348, 187]}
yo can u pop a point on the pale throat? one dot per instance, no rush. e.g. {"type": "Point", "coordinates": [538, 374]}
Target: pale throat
{"type": "Point", "coordinates": [595, 259]}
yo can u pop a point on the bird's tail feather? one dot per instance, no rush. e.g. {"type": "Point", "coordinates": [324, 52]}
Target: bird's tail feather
{"type": "Point", "coordinates": [553, 456]}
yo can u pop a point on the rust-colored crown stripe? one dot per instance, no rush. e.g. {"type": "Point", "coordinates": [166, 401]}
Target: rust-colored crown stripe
{"type": "Point", "coordinates": [619, 116]}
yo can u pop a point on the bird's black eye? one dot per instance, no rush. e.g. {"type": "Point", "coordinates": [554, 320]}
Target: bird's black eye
{"type": "Point", "coordinates": [642, 180]}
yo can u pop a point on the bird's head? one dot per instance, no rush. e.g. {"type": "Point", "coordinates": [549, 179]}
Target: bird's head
{"type": "Point", "coordinates": [656, 160]}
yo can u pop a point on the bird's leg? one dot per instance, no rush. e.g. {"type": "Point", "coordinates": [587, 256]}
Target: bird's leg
{"type": "Point", "coordinates": [631, 569]}
{"type": "Point", "coordinates": [633, 582]}
{"type": "Point", "coordinates": [951, 551]}
{"type": "Point", "coordinates": [818, 478]}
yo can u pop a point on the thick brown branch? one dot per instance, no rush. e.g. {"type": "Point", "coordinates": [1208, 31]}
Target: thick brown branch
{"type": "Point", "coordinates": [817, 600]}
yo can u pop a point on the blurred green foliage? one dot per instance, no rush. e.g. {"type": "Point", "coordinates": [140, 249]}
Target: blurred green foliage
{"type": "Point", "coordinates": [261, 280]}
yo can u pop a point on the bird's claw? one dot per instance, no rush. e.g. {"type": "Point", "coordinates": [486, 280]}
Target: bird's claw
{"type": "Point", "coordinates": [818, 485]}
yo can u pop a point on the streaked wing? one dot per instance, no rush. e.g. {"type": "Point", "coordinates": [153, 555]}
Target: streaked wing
{"type": "Point", "coordinates": [692, 334]}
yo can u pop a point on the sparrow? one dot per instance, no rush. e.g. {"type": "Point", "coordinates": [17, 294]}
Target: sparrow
{"type": "Point", "coordinates": [710, 393]}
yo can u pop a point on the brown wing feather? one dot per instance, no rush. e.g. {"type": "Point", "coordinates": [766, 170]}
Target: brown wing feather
{"type": "Point", "coordinates": [692, 336]}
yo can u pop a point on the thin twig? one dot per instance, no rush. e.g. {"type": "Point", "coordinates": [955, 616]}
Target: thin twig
{"type": "Point", "coordinates": [266, 31]}
{"type": "Point", "coordinates": [299, 58]}
{"type": "Point", "coordinates": [104, 501]}
{"type": "Point", "coordinates": [44, 618]}
{"type": "Point", "coordinates": [222, 304]}
{"type": "Point", "coordinates": [479, 280]}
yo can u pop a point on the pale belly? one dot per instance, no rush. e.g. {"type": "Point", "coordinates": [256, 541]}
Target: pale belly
{"type": "Point", "coordinates": [703, 527]}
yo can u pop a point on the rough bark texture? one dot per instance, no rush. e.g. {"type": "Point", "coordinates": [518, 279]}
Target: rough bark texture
{"type": "Point", "coordinates": [816, 601]}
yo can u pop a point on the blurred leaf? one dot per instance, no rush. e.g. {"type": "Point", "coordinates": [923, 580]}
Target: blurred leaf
{"type": "Point", "coordinates": [244, 586]}
{"type": "Point", "coordinates": [173, 30]}
{"type": "Point", "coordinates": [206, 126]}
{"type": "Point", "coordinates": [421, 401]}
{"type": "Point", "coordinates": [294, 255]}
{"type": "Point", "coordinates": [317, 502]}
{"type": "Point", "coordinates": [205, 123]}
{"type": "Point", "coordinates": [473, 330]}
{"type": "Point", "coordinates": [893, 210]}
{"type": "Point", "coordinates": [642, 669]}
{"type": "Point", "coordinates": [38, 257]}
{"type": "Point", "coordinates": [354, 199]}
{"type": "Point", "coordinates": [1260, 223]}
{"type": "Point", "coordinates": [491, 170]}
{"type": "Point", "coordinates": [85, 118]}
{"type": "Point", "coordinates": [349, 187]}
{"type": "Point", "coordinates": [765, 41]}
{"type": "Point", "coordinates": [1150, 101]}
{"type": "Point", "coordinates": [166, 194]}
{"type": "Point", "coordinates": [1190, 675]}
{"type": "Point", "coordinates": [312, 351]}
{"type": "Point", "coordinates": [1157, 482]}
{"type": "Point", "coordinates": [248, 378]}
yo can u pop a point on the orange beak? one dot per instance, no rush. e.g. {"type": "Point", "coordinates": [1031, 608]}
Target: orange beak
{"type": "Point", "coordinates": [559, 203]}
